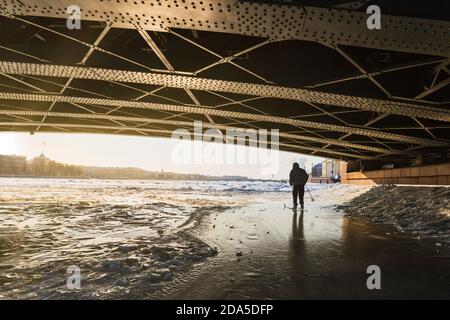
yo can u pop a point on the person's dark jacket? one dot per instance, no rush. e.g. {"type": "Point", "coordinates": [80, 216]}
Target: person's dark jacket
{"type": "Point", "coordinates": [298, 176]}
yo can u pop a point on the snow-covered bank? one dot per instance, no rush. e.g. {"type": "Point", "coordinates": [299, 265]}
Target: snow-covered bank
{"type": "Point", "coordinates": [421, 211]}
{"type": "Point", "coordinates": [336, 193]}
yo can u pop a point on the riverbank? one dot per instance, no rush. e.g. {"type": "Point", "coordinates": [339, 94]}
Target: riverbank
{"type": "Point", "coordinates": [420, 211]}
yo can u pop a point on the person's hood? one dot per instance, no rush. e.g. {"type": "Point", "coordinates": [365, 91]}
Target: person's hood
{"type": "Point", "coordinates": [295, 166]}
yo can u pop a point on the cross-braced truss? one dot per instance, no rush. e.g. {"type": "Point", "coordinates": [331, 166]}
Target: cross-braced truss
{"type": "Point", "coordinates": [331, 86]}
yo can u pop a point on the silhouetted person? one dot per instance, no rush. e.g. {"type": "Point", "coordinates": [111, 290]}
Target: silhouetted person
{"type": "Point", "coordinates": [297, 179]}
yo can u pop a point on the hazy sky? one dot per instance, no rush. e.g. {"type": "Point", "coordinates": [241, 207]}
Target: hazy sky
{"type": "Point", "coordinates": [148, 153]}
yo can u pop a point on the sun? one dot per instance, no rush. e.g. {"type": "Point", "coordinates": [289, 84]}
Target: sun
{"type": "Point", "coordinates": [7, 143]}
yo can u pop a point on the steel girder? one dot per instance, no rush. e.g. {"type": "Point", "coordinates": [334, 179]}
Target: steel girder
{"type": "Point", "coordinates": [204, 110]}
{"type": "Point", "coordinates": [329, 26]}
{"type": "Point", "coordinates": [263, 90]}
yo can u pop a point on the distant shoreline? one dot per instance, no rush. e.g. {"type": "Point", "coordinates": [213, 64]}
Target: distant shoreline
{"type": "Point", "coordinates": [43, 167]}
{"type": "Point", "coordinates": [137, 179]}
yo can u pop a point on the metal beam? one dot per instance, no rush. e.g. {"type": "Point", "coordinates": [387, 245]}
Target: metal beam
{"type": "Point", "coordinates": [83, 61]}
{"type": "Point", "coordinates": [230, 58]}
{"type": "Point", "coordinates": [182, 123]}
{"type": "Point", "coordinates": [363, 71]}
{"type": "Point", "coordinates": [23, 54]}
{"type": "Point", "coordinates": [225, 59]}
{"type": "Point", "coordinates": [329, 26]}
{"type": "Point", "coordinates": [161, 56]}
{"type": "Point", "coordinates": [380, 117]}
{"type": "Point", "coordinates": [222, 113]}
{"type": "Point", "coordinates": [434, 88]}
{"type": "Point", "coordinates": [88, 92]}
{"type": "Point", "coordinates": [264, 90]}
{"type": "Point", "coordinates": [366, 75]}
{"type": "Point", "coordinates": [93, 47]}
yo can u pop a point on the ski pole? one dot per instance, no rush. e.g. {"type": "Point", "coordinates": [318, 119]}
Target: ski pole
{"type": "Point", "coordinates": [312, 199]}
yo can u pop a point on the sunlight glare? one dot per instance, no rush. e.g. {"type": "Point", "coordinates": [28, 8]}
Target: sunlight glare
{"type": "Point", "coordinates": [7, 144]}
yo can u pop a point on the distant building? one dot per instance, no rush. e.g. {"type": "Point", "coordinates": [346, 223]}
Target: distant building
{"type": "Point", "coordinates": [317, 170]}
{"type": "Point", "coordinates": [331, 169]}
{"type": "Point", "coordinates": [40, 166]}
{"type": "Point", "coordinates": [327, 171]}
{"type": "Point", "coordinates": [13, 165]}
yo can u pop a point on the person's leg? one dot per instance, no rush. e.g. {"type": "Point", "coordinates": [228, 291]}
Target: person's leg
{"type": "Point", "coordinates": [301, 193]}
{"type": "Point", "coordinates": [294, 195]}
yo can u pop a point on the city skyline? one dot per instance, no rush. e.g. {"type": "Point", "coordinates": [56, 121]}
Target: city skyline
{"type": "Point", "coordinates": [139, 152]}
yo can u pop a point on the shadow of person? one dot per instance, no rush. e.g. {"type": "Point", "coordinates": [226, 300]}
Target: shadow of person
{"type": "Point", "coordinates": [297, 253]}
{"type": "Point", "coordinates": [297, 237]}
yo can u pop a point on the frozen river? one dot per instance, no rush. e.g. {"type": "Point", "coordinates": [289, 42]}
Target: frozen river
{"type": "Point", "coordinates": [185, 239]}
{"type": "Point", "coordinates": [127, 237]}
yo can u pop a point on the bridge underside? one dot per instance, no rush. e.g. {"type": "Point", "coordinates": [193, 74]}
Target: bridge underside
{"type": "Point", "coordinates": [330, 85]}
